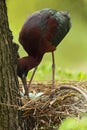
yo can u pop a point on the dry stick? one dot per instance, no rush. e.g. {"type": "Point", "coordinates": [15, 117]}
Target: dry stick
{"type": "Point", "coordinates": [74, 88]}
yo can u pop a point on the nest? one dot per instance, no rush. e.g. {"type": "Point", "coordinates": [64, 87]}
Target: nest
{"type": "Point", "coordinates": [46, 111]}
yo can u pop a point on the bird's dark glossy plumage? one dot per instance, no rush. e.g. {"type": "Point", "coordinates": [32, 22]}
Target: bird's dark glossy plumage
{"type": "Point", "coordinates": [43, 28]}
{"type": "Point", "coordinates": [41, 33]}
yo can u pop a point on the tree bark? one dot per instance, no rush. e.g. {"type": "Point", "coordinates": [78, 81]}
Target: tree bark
{"type": "Point", "coordinates": [8, 77]}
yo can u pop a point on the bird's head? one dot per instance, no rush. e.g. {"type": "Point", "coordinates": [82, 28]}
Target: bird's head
{"type": "Point", "coordinates": [22, 69]}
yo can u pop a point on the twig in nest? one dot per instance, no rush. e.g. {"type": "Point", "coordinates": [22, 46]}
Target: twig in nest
{"type": "Point", "coordinates": [74, 88]}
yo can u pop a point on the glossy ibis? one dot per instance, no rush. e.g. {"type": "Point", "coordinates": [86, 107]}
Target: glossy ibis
{"type": "Point", "coordinates": [41, 33]}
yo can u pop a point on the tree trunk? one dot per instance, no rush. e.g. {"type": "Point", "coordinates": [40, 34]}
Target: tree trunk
{"type": "Point", "coordinates": [8, 76]}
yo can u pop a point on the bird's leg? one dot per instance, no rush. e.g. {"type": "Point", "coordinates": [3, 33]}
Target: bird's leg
{"type": "Point", "coordinates": [32, 77]}
{"type": "Point", "coordinates": [53, 70]}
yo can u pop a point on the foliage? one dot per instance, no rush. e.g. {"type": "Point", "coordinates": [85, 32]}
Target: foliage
{"type": "Point", "coordinates": [44, 72]}
{"type": "Point", "coordinates": [74, 124]}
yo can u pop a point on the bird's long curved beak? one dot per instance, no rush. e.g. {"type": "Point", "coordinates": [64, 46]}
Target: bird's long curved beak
{"type": "Point", "coordinates": [25, 84]}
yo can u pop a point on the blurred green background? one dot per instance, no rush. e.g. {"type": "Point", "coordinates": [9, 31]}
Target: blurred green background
{"type": "Point", "coordinates": [71, 54]}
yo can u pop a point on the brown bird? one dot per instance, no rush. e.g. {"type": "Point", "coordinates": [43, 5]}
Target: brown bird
{"type": "Point", "coordinates": [41, 33]}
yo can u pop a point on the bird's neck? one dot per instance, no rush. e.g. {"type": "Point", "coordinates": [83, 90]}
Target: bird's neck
{"type": "Point", "coordinates": [29, 62]}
